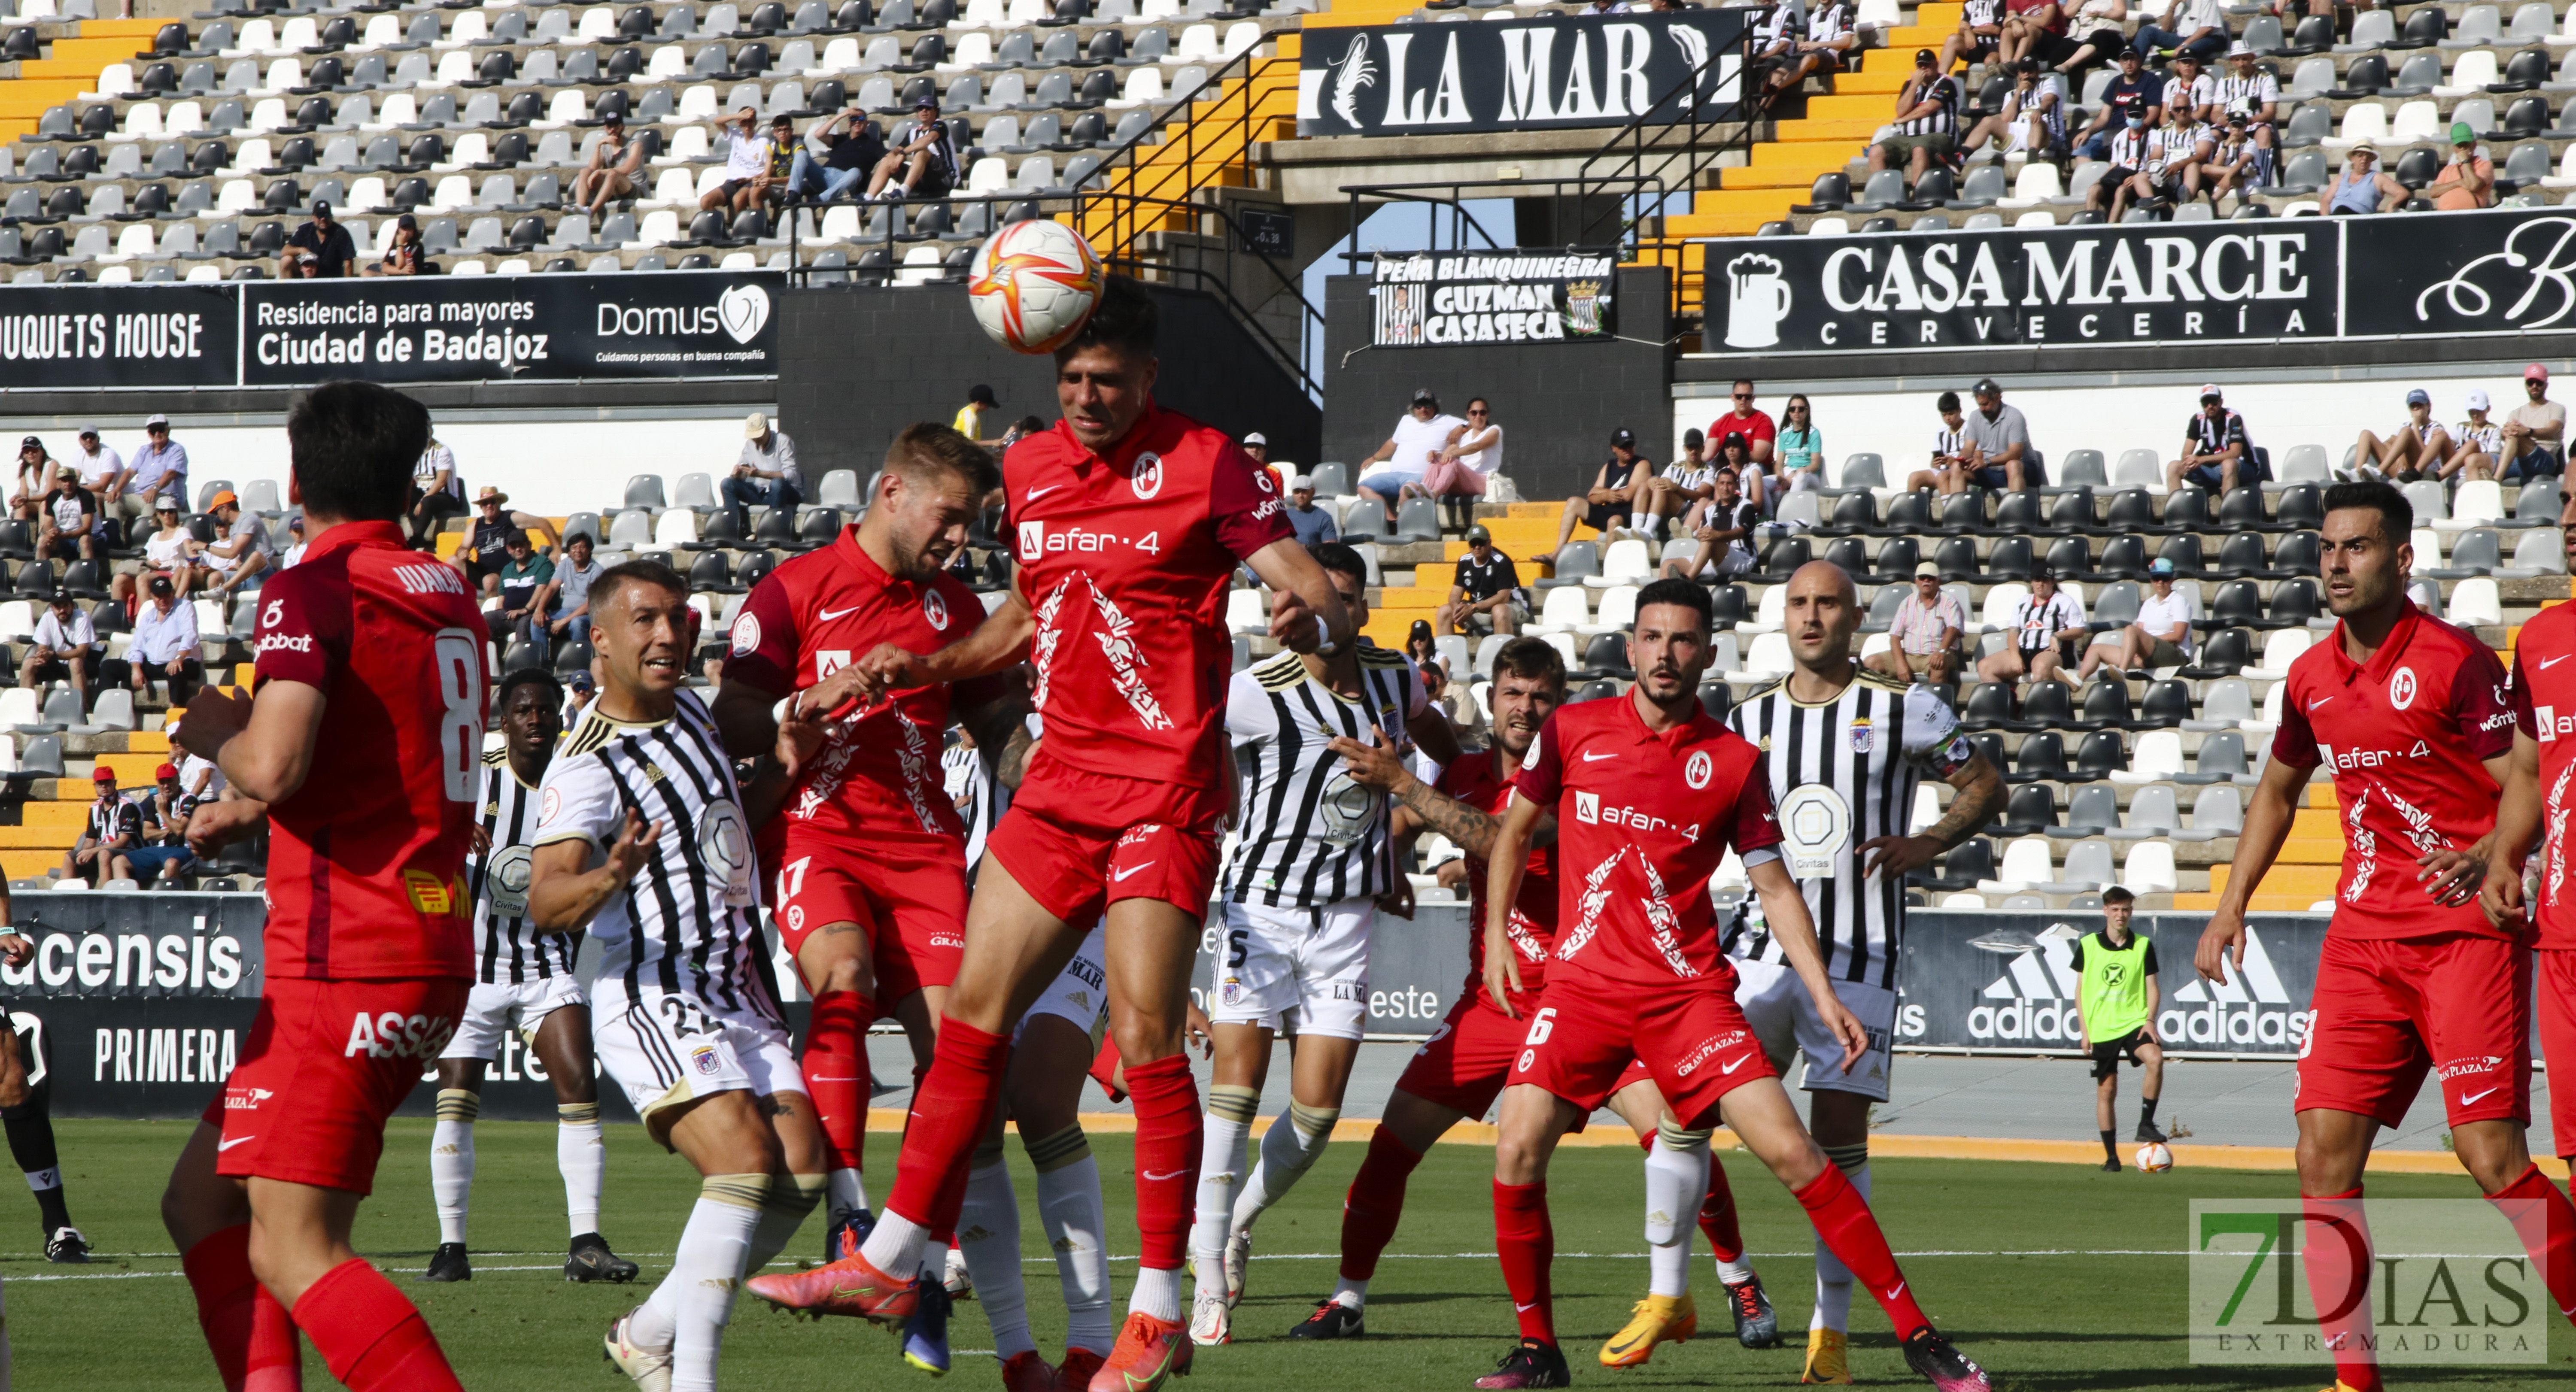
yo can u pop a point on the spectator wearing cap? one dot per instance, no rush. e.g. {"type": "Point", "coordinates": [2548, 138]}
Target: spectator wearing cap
{"type": "Point", "coordinates": [239, 558]}
{"type": "Point", "coordinates": [102, 470]}
{"type": "Point", "coordinates": [1830, 38]}
{"type": "Point", "coordinates": [765, 472]}
{"type": "Point", "coordinates": [1421, 433]}
{"type": "Point", "coordinates": [2215, 450]}
{"type": "Point", "coordinates": [924, 165]}
{"type": "Point", "coordinates": [838, 155]}
{"type": "Point", "coordinates": [2161, 637]}
{"type": "Point", "coordinates": [976, 418]}
{"type": "Point", "coordinates": [578, 689]}
{"type": "Point", "coordinates": [294, 552]}
{"type": "Point", "coordinates": [2535, 432]}
{"type": "Point", "coordinates": [115, 827]}
{"type": "Point", "coordinates": [164, 645]}
{"type": "Point", "coordinates": [2047, 633]}
{"type": "Point", "coordinates": [2197, 27]}
{"type": "Point", "coordinates": [2362, 188]}
{"type": "Point", "coordinates": [65, 648]}
{"type": "Point", "coordinates": [1926, 129]}
{"type": "Point", "coordinates": [1466, 466]}
{"type": "Point", "coordinates": [1256, 447]}
{"type": "Point", "coordinates": [568, 597]}
{"type": "Point", "coordinates": [1611, 502]}
{"type": "Point", "coordinates": [402, 252]}
{"type": "Point", "coordinates": [1422, 648]}
{"type": "Point", "coordinates": [527, 583]}
{"type": "Point", "coordinates": [609, 172]}
{"type": "Point", "coordinates": [36, 469]}
{"type": "Point", "coordinates": [1725, 531]}
{"type": "Point", "coordinates": [1945, 474]}
{"type": "Point", "coordinates": [1994, 446]}
{"type": "Point", "coordinates": [437, 493]}
{"type": "Point", "coordinates": [2132, 91]}
{"type": "Point", "coordinates": [66, 521]}
{"type": "Point", "coordinates": [2247, 90]}
{"type": "Point", "coordinates": [1485, 593]}
{"type": "Point", "coordinates": [161, 466]}
{"type": "Point", "coordinates": [163, 856]}
{"type": "Point", "coordinates": [2233, 162]}
{"type": "Point", "coordinates": [2477, 442]}
{"type": "Point", "coordinates": [2418, 447]}
{"type": "Point", "coordinates": [486, 547]}
{"type": "Point", "coordinates": [2468, 181]}
{"type": "Point", "coordinates": [325, 242]}
{"type": "Point", "coordinates": [1741, 418]}
{"type": "Point", "coordinates": [1923, 637]}
{"type": "Point", "coordinates": [746, 162]}
{"type": "Point", "coordinates": [1313, 525]}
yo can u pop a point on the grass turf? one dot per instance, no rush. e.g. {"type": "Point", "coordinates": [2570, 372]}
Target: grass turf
{"type": "Point", "coordinates": [1437, 1316]}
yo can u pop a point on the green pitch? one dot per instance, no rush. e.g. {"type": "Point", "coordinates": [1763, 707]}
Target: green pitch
{"type": "Point", "coordinates": [2068, 1309]}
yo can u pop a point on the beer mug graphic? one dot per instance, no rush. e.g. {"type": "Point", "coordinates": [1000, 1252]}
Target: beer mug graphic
{"type": "Point", "coordinates": [1757, 299]}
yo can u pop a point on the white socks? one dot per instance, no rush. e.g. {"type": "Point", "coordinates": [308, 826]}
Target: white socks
{"type": "Point", "coordinates": [1833, 1279]}
{"type": "Point", "coordinates": [581, 1152]}
{"type": "Point", "coordinates": [988, 1231]}
{"type": "Point", "coordinates": [1158, 1293]}
{"type": "Point", "coordinates": [791, 1198]}
{"type": "Point", "coordinates": [1676, 1183]}
{"type": "Point", "coordinates": [848, 1194]}
{"type": "Point", "coordinates": [687, 1313]}
{"type": "Point", "coordinates": [1076, 1228]}
{"type": "Point", "coordinates": [894, 1246]}
{"type": "Point", "coordinates": [1229, 1129]}
{"type": "Point", "coordinates": [1350, 1294]}
{"type": "Point", "coordinates": [451, 1159]}
{"type": "Point", "coordinates": [1288, 1150]}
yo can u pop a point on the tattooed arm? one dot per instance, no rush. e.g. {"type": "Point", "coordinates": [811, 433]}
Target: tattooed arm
{"type": "Point", "coordinates": [1424, 807]}
{"type": "Point", "coordinates": [1980, 794]}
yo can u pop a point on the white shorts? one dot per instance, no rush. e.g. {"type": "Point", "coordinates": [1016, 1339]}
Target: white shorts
{"type": "Point", "coordinates": [666, 1048]}
{"type": "Point", "coordinates": [495, 1008]}
{"type": "Point", "coordinates": [1302, 967]}
{"type": "Point", "coordinates": [1783, 1016]}
{"type": "Point", "coordinates": [1080, 993]}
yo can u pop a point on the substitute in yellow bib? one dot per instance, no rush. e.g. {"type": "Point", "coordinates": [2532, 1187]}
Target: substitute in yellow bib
{"type": "Point", "coordinates": [2116, 998]}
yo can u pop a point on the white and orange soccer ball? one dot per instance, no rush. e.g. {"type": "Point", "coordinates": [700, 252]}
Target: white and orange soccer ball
{"type": "Point", "coordinates": [2153, 1158]}
{"type": "Point", "coordinates": [1034, 284]}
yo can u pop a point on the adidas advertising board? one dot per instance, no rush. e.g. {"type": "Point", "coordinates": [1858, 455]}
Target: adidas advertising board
{"type": "Point", "coordinates": [1545, 72]}
{"type": "Point", "coordinates": [1991, 981]}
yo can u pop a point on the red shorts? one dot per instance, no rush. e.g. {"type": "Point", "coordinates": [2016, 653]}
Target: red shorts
{"type": "Point", "coordinates": [910, 898]}
{"type": "Point", "coordinates": [2389, 1009]}
{"type": "Point", "coordinates": [1079, 842]}
{"type": "Point", "coordinates": [2557, 970]}
{"type": "Point", "coordinates": [1691, 1039]}
{"type": "Point", "coordinates": [326, 1063]}
{"type": "Point", "coordinates": [1465, 1062]}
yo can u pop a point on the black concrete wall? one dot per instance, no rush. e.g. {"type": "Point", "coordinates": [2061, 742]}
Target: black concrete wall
{"type": "Point", "coordinates": [857, 364]}
{"type": "Point", "coordinates": [1557, 402]}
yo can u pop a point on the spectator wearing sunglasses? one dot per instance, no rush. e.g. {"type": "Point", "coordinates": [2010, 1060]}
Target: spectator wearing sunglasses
{"type": "Point", "coordinates": [1800, 447]}
{"type": "Point", "coordinates": [1464, 468]}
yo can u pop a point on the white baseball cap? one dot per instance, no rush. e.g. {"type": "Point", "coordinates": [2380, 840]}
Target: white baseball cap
{"type": "Point", "coordinates": [1256, 438]}
{"type": "Point", "coordinates": [2477, 399]}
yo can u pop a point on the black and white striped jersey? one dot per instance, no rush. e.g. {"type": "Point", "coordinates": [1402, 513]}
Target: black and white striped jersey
{"type": "Point", "coordinates": [1306, 835]}
{"type": "Point", "coordinates": [687, 923]}
{"type": "Point", "coordinates": [1844, 772]}
{"type": "Point", "coordinates": [506, 950]}
{"type": "Point", "coordinates": [979, 799]}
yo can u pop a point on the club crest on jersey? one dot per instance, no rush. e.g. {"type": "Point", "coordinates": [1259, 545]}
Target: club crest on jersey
{"type": "Point", "coordinates": [2401, 688]}
{"type": "Point", "coordinates": [1864, 736]}
{"type": "Point", "coordinates": [934, 609]}
{"type": "Point", "coordinates": [704, 1059]}
{"type": "Point", "coordinates": [549, 805]}
{"type": "Point", "coordinates": [1147, 479]}
{"type": "Point", "coordinates": [746, 633]}
{"type": "Point", "coordinates": [1696, 771]}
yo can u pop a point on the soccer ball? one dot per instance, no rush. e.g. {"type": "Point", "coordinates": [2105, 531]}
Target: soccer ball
{"type": "Point", "coordinates": [2153, 1158]}
{"type": "Point", "coordinates": [1034, 283]}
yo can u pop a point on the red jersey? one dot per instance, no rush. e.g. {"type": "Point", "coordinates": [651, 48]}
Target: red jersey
{"type": "Point", "coordinates": [877, 774]}
{"type": "Point", "coordinates": [2544, 706]}
{"type": "Point", "coordinates": [1533, 926]}
{"type": "Point", "coordinates": [2407, 736]}
{"type": "Point", "coordinates": [1652, 815]}
{"type": "Point", "coordinates": [1126, 559]}
{"type": "Point", "coordinates": [366, 860]}
{"type": "Point", "coordinates": [1755, 428]}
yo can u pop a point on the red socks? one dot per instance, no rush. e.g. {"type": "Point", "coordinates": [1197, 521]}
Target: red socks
{"type": "Point", "coordinates": [836, 1074]}
{"type": "Point", "coordinates": [1375, 1202]}
{"type": "Point", "coordinates": [2548, 1233]}
{"type": "Point", "coordinates": [949, 1110]}
{"type": "Point", "coordinates": [1527, 1243]}
{"type": "Point", "coordinates": [2336, 1251]}
{"type": "Point", "coordinates": [276, 1361]}
{"type": "Point", "coordinates": [1170, 1132]}
{"type": "Point", "coordinates": [218, 1270]}
{"type": "Point", "coordinates": [1843, 1220]}
{"type": "Point", "coordinates": [371, 1336]}
{"type": "Point", "coordinates": [1717, 1215]}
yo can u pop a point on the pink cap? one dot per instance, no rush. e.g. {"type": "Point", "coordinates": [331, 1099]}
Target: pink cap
{"type": "Point", "coordinates": [2535, 373]}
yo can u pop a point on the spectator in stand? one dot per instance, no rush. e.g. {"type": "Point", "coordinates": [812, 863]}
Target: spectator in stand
{"type": "Point", "coordinates": [1422, 433]}
{"type": "Point", "coordinates": [527, 582]}
{"type": "Point", "coordinates": [1759, 433]}
{"type": "Point", "coordinates": [2198, 27]}
{"type": "Point", "coordinates": [2160, 638]}
{"type": "Point", "coordinates": [437, 493]}
{"type": "Point", "coordinates": [161, 466]}
{"type": "Point", "coordinates": [2480, 442]}
{"type": "Point", "coordinates": [1256, 446]}
{"type": "Point", "coordinates": [765, 472]}
{"type": "Point", "coordinates": [1611, 502]}
{"type": "Point", "coordinates": [2535, 432]}
{"type": "Point", "coordinates": [102, 471]}
{"type": "Point", "coordinates": [163, 854]}
{"type": "Point", "coordinates": [1485, 592]}
{"type": "Point", "coordinates": [2047, 633]}
{"type": "Point", "coordinates": [1313, 525]}
{"type": "Point", "coordinates": [1725, 533]}
{"type": "Point", "coordinates": [2025, 24]}
{"type": "Point", "coordinates": [2362, 188]}
{"type": "Point", "coordinates": [1981, 28]}
{"type": "Point", "coordinates": [325, 242]}
{"type": "Point", "coordinates": [1995, 444]}
{"type": "Point", "coordinates": [2231, 162]}
{"type": "Point", "coordinates": [2187, 86]}
{"type": "Point", "coordinates": [612, 170]}
{"type": "Point", "coordinates": [1945, 474]}
{"type": "Point", "coordinates": [164, 646]}
{"type": "Point", "coordinates": [927, 163]}
{"type": "Point", "coordinates": [294, 552]}
{"type": "Point", "coordinates": [2247, 90]}
{"type": "Point", "coordinates": [568, 600]}
{"type": "Point", "coordinates": [1422, 648]}
{"type": "Point", "coordinates": [487, 546]}
{"type": "Point", "coordinates": [2415, 449]}
{"type": "Point", "coordinates": [746, 163]}
{"type": "Point", "coordinates": [2033, 119]}
{"type": "Point", "coordinates": [1926, 129]}
{"type": "Point", "coordinates": [2215, 450]}
{"type": "Point", "coordinates": [170, 549]}
{"type": "Point", "coordinates": [2468, 181]}
{"type": "Point", "coordinates": [1923, 638]}
{"type": "Point", "coordinates": [2132, 92]}
{"type": "Point", "coordinates": [115, 827]}
{"type": "Point", "coordinates": [2175, 156]}
{"type": "Point", "coordinates": [1775, 38]}
{"type": "Point", "coordinates": [241, 557]}
{"type": "Point", "coordinates": [578, 689]}
{"type": "Point", "coordinates": [1799, 452]}
{"type": "Point", "coordinates": [1466, 465]}
{"type": "Point", "coordinates": [36, 470]}
{"type": "Point", "coordinates": [403, 255]}
{"type": "Point", "coordinates": [835, 159]}
{"type": "Point", "coordinates": [975, 419]}
{"type": "Point", "coordinates": [1456, 704]}
{"type": "Point", "coordinates": [64, 648]}
{"type": "Point", "coordinates": [2133, 156]}
{"type": "Point", "coordinates": [66, 521]}
{"type": "Point", "coordinates": [1829, 41]}
{"type": "Point", "coordinates": [1682, 491]}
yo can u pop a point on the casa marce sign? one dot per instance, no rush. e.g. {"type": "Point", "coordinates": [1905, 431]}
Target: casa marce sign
{"type": "Point", "coordinates": [1546, 72]}
{"type": "Point", "coordinates": [2450, 274]}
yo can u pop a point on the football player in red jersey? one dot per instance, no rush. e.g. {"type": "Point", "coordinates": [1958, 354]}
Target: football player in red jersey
{"type": "Point", "coordinates": [1457, 1073]}
{"type": "Point", "coordinates": [1128, 522]}
{"type": "Point", "coordinates": [1652, 793]}
{"type": "Point", "coordinates": [375, 653]}
{"type": "Point", "coordinates": [2411, 717]}
{"type": "Point", "coordinates": [2535, 805]}
{"type": "Point", "coordinates": [870, 890]}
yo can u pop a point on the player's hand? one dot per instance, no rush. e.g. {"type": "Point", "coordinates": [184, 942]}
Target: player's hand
{"type": "Point", "coordinates": [2451, 878]}
{"type": "Point", "coordinates": [1198, 1031]}
{"type": "Point", "coordinates": [887, 668]}
{"type": "Point", "coordinates": [214, 717]}
{"type": "Point", "coordinates": [215, 825]}
{"type": "Point", "coordinates": [1451, 874]}
{"type": "Point", "coordinates": [1897, 854]}
{"type": "Point", "coordinates": [15, 949]}
{"type": "Point", "coordinates": [1502, 972]}
{"type": "Point", "coordinates": [1376, 766]}
{"type": "Point", "coordinates": [1845, 1026]}
{"type": "Point", "coordinates": [800, 735]}
{"type": "Point", "coordinates": [1398, 900]}
{"type": "Point", "coordinates": [1294, 624]}
{"type": "Point", "coordinates": [2222, 946]}
{"type": "Point", "coordinates": [2501, 899]}
{"type": "Point", "coordinates": [482, 840]}
{"type": "Point", "coordinates": [634, 846]}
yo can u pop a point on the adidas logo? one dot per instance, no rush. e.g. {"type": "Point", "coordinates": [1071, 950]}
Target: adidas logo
{"type": "Point", "coordinates": [974, 1234]}
{"type": "Point", "coordinates": [2038, 993]}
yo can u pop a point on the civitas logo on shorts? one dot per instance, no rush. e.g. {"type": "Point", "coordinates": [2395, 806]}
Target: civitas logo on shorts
{"type": "Point", "coordinates": [393, 1034]}
{"type": "Point", "coordinates": [740, 313]}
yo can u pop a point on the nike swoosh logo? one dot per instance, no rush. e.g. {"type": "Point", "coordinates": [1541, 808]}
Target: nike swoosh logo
{"type": "Point", "coordinates": [1159, 1178]}
{"type": "Point", "coordinates": [1120, 876]}
{"type": "Point", "coordinates": [227, 1145]}
{"type": "Point", "coordinates": [1517, 1306]}
{"type": "Point", "coordinates": [1725, 1069]}
{"type": "Point", "coordinates": [827, 615]}
{"type": "Point", "coordinates": [1137, 1383]}
{"type": "Point", "coordinates": [1037, 493]}
{"type": "Point", "coordinates": [847, 1291]}
{"type": "Point", "coordinates": [1899, 1290]}
{"type": "Point", "coordinates": [2548, 662]}
{"type": "Point", "coordinates": [2312, 705]}
{"type": "Point", "coordinates": [1594, 758]}
{"type": "Point", "coordinates": [2472, 1101]}
{"type": "Point", "coordinates": [1623, 1348]}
